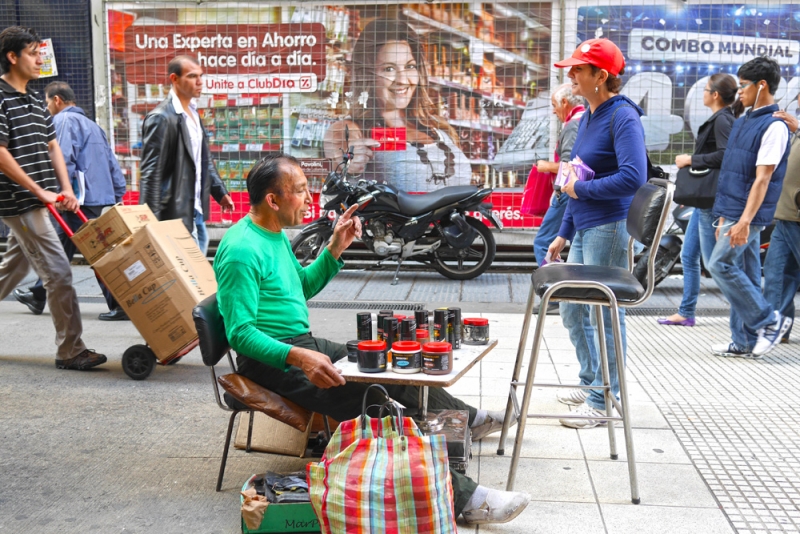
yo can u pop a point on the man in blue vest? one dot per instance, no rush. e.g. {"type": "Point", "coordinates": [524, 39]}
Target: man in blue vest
{"type": "Point", "coordinates": [750, 184]}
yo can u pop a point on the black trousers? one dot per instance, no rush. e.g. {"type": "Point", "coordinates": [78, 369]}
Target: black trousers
{"type": "Point", "coordinates": [91, 212]}
{"type": "Point", "coordinates": [344, 402]}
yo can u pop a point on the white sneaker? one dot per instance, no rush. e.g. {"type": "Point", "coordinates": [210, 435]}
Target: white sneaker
{"type": "Point", "coordinates": [498, 507]}
{"type": "Point", "coordinates": [770, 335]}
{"type": "Point", "coordinates": [587, 411]}
{"type": "Point", "coordinates": [572, 396]}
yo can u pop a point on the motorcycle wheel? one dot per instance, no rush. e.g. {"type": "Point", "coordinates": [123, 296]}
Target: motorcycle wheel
{"type": "Point", "coordinates": [470, 262]}
{"type": "Point", "coordinates": [307, 247]}
{"type": "Point", "coordinates": [665, 261]}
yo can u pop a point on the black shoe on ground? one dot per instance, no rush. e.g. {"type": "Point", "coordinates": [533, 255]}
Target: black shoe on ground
{"type": "Point", "coordinates": [117, 314]}
{"type": "Point", "coordinates": [26, 297]}
{"type": "Point", "coordinates": [85, 360]}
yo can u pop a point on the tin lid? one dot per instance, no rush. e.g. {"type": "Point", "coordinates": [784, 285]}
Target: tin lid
{"type": "Point", "coordinates": [423, 332]}
{"type": "Point", "coordinates": [372, 345]}
{"type": "Point", "coordinates": [437, 346]}
{"type": "Point", "coordinates": [406, 346]}
{"type": "Point", "coordinates": [352, 344]}
{"type": "Point", "coordinates": [475, 321]}
{"type": "Point", "coordinates": [400, 317]}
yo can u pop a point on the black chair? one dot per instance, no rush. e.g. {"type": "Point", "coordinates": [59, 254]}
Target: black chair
{"type": "Point", "coordinates": [241, 394]}
{"type": "Point", "coordinates": [595, 286]}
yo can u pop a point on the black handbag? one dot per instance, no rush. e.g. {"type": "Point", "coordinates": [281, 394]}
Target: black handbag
{"type": "Point", "coordinates": [696, 187]}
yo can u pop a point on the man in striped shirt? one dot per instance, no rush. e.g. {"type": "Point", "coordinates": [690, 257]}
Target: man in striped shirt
{"type": "Point", "coordinates": [32, 170]}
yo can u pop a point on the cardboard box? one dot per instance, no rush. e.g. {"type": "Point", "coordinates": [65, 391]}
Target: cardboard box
{"type": "Point", "coordinates": [158, 275]}
{"type": "Point", "coordinates": [283, 517]}
{"type": "Point", "coordinates": [270, 435]}
{"type": "Point", "coordinates": [98, 236]}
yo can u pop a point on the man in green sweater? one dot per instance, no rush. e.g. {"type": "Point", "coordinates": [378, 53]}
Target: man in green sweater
{"type": "Point", "coordinates": [262, 294]}
{"type": "Point", "coordinates": [782, 266]}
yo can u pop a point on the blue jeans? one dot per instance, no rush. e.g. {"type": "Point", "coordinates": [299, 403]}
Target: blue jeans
{"type": "Point", "coordinates": [782, 267]}
{"type": "Point", "coordinates": [605, 245]}
{"type": "Point", "coordinates": [551, 223]}
{"type": "Point", "coordinates": [698, 230]}
{"type": "Point", "coordinates": [200, 233]}
{"type": "Point", "coordinates": [737, 272]}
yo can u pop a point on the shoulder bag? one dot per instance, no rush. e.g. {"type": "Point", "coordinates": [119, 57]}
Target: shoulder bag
{"type": "Point", "coordinates": [696, 187]}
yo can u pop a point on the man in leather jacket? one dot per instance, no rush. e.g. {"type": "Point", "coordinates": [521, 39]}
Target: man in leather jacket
{"type": "Point", "coordinates": [177, 173]}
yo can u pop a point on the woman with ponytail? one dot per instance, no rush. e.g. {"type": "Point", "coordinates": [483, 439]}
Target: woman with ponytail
{"type": "Point", "coordinates": [720, 96]}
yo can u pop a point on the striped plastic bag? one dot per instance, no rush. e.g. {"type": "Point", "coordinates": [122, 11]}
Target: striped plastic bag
{"type": "Point", "coordinates": [382, 475]}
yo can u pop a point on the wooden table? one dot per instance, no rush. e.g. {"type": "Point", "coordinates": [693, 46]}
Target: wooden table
{"type": "Point", "coordinates": [464, 359]}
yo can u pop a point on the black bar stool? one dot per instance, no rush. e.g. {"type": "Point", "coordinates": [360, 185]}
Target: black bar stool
{"type": "Point", "coordinates": [596, 286]}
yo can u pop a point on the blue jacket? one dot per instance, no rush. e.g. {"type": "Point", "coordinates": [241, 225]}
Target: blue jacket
{"type": "Point", "coordinates": [738, 170]}
{"type": "Point", "coordinates": [620, 165]}
{"type": "Point", "coordinates": [86, 149]}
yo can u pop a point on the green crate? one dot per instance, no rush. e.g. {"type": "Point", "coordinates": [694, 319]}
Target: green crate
{"type": "Point", "coordinates": [290, 517]}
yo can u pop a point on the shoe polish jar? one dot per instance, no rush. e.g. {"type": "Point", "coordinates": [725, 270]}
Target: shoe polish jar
{"type": "Point", "coordinates": [476, 331]}
{"type": "Point", "coordinates": [372, 356]}
{"type": "Point", "coordinates": [406, 357]}
{"type": "Point", "coordinates": [352, 350]}
{"type": "Point", "coordinates": [437, 358]}
{"type": "Point", "coordinates": [423, 335]}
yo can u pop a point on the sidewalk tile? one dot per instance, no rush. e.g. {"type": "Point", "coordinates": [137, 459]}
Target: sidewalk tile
{"type": "Point", "coordinates": [544, 480]}
{"type": "Point", "coordinates": [624, 519]}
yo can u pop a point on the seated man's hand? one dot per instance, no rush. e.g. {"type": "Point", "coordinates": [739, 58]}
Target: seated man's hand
{"type": "Point", "coordinates": [348, 227]}
{"type": "Point", "coordinates": [317, 367]}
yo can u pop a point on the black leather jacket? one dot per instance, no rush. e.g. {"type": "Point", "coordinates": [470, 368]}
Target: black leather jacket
{"type": "Point", "coordinates": [168, 170]}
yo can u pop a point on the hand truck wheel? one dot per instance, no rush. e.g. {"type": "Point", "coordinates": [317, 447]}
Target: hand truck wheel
{"type": "Point", "coordinates": [138, 362]}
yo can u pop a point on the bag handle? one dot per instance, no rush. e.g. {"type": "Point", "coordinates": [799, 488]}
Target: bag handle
{"type": "Point", "coordinates": [388, 405]}
{"type": "Point", "coordinates": [699, 172]}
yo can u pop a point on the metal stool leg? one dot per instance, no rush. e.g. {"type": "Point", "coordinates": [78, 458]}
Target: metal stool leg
{"type": "Point", "coordinates": [623, 395]}
{"type": "Point", "coordinates": [250, 430]}
{"type": "Point", "coordinates": [523, 339]}
{"type": "Point", "coordinates": [526, 397]}
{"type": "Point", "coordinates": [607, 393]}
{"type": "Point", "coordinates": [225, 451]}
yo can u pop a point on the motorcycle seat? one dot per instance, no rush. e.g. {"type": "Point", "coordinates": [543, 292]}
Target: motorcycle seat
{"type": "Point", "coordinates": [419, 204]}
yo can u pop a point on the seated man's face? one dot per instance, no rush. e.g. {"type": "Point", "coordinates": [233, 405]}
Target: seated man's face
{"type": "Point", "coordinates": [295, 199]}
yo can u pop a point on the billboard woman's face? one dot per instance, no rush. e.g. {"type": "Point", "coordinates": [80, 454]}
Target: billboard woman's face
{"type": "Point", "coordinates": [396, 76]}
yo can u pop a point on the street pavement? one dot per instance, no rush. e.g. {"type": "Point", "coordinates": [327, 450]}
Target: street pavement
{"type": "Point", "coordinates": [716, 440]}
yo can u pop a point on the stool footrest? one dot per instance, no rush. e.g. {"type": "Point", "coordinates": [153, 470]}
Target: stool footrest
{"type": "Point", "coordinates": [570, 416]}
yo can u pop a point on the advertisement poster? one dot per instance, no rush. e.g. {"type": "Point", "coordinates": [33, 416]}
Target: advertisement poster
{"type": "Point", "coordinates": [428, 96]}
{"type": "Point", "coordinates": [671, 51]}
{"type": "Point", "coordinates": [49, 68]}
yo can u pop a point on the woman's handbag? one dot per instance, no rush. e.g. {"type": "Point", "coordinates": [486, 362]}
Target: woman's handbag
{"type": "Point", "coordinates": [383, 475]}
{"type": "Point", "coordinates": [696, 187]}
{"type": "Point", "coordinates": [537, 193]}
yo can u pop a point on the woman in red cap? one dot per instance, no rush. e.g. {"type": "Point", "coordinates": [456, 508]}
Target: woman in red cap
{"type": "Point", "coordinates": [610, 141]}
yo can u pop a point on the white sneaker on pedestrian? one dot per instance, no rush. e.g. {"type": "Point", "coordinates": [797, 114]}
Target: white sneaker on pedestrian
{"type": "Point", "coordinates": [731, 350]}
{"type": "Point", "coordinates": [770, 335]}
{"type": "Point", "coordinates": [572, 396]}
{"type": "Point", "coordinates": [586, 411]}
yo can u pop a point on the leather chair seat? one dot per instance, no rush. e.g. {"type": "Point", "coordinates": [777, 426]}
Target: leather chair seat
{"type": "Point", "coordinates": [419, 204]}
{"type": "Point", "coordinates": [624, 285]}
{"type": "Point", "coordinates": [247, 395]}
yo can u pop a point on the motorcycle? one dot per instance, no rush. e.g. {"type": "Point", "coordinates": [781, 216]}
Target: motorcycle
{"type": "Point", "coordinates": [431, 228]}
{"type": "Point", "coordinates": [669, 248]}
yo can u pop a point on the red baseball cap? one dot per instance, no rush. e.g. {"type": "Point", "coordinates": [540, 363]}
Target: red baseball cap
{"type": "Point", "coordinates": [600, 53]}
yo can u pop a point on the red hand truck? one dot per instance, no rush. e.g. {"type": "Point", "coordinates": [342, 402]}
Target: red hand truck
{"type": "Point", "coordinates": [138, 361]}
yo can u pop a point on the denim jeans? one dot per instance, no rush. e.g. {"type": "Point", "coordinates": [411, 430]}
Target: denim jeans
{"type": "Point", "coordinates": [782, 267]}
{"type": "Point", "coordinates": [200, 233]}
{"type": "Point", "coordinates": [737, 272]}
{"type": "Point", "coordinates": [551, 223]}
{"type": "Point", "coordinates": [698, 229]}
{"type": "Point", "coordinates": [605, 245]}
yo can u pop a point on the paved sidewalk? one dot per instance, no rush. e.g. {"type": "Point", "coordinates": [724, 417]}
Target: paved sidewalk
{"type": "Point", "coordinates": [716, 439]}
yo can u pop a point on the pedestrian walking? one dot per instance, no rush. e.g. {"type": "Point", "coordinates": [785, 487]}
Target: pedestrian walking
{"type": "Point", "coordinates": [782, 266]}
{"type": "Point", "coordinates": [177, 173]}
{"type": "Point", "coordinates": [31, 171]}
{"type": "Point", "coordinates": [719, 95]}
{"type": "Point", "coordinates": [92, 168]}
{"type": "Point", "coordinates": [749, 186]}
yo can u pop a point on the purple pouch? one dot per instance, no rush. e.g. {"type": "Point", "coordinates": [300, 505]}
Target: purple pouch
{"type": "Point", "coordinates": [582, 170]}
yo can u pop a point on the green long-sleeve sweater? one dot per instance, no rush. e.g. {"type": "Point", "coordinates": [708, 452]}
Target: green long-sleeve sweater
{"type": "Point", "coordinates": [262, 290]}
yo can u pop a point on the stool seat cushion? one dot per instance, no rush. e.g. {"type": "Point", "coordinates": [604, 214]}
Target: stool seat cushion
{"type": "Point", "coordinates": [622, 283]}
{"type": "Point", "coordinates": [254, 397]}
